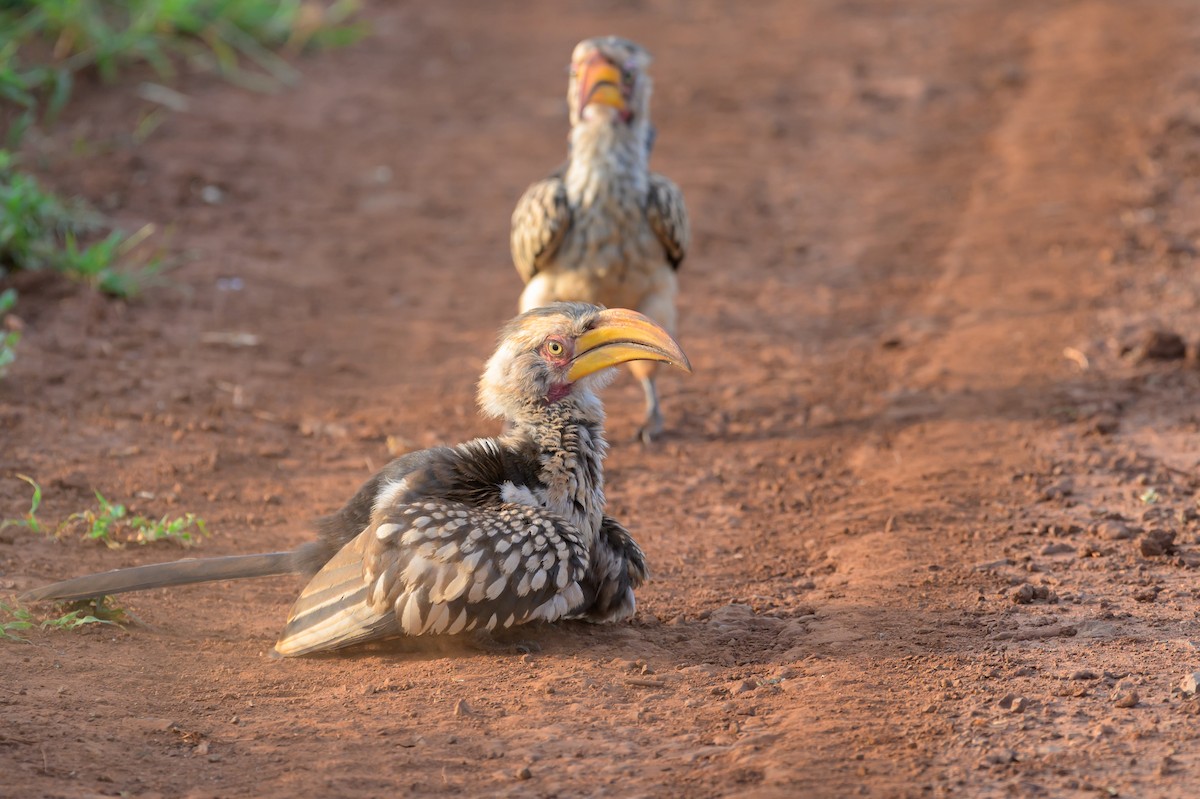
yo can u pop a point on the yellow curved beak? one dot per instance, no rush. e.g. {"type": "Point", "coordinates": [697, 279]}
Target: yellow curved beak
{"type": "Point", "coordinates": [600, 84]}
{"type": "Point", "coordinates": [620, 336]}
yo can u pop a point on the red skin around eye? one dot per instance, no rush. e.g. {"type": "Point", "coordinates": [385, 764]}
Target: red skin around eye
{"type": "Point", "coordinates": [562, 358]}
{"type": "Point", "coordinates": [562, 361]}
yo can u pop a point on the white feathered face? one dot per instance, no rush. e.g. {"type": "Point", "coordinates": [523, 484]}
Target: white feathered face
{"type": "Point", "coordinates": [609, 81]}
{"type": "Point", "coordinates": [565, 352]}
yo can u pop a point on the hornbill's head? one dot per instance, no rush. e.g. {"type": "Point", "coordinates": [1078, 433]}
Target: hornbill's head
{"type": "Point", "coordinates": [562, 353]}
{"type": "Point", "coordinates": [609, 82]}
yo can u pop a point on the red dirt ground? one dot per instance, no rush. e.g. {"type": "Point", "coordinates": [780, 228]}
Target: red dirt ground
{"type": "Point", "coordinates": [902, 527]}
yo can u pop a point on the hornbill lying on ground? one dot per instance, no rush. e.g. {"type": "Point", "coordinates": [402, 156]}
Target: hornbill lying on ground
{"type": "Point", "coordinates": [489, 534]}
{"type": "Point", "coordinates": [604, 228]}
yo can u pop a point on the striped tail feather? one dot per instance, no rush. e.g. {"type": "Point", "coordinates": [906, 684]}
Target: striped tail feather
{"type": "Point", "coordinates": [334, 610]}
{"type": "Point", "coordinates": [158, 575]}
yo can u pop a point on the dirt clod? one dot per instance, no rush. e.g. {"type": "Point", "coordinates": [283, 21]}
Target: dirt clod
{"type": "Point", "coordinates": [1190, 684]}
{"type": "Point", "coordinates": [1000, 757]}
{"type": "Point", "coordinates": [1125, 699]}
{"type": "Point", "coordinates": [1026, 594]}
{"type": "Point", "coordinates": [1157, 542]}
{"type": "Point", "coordinates": [1113, 530]}
{"type": "Point", "coordinates": [1147, 594]}
{"type": "Point", "coordinates": [1159, 345]}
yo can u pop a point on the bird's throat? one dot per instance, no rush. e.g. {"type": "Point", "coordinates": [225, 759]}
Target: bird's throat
{"type": "Point", "coordinates": [570, 446]}
{"type": "Point", "coordinates": [604, 155]}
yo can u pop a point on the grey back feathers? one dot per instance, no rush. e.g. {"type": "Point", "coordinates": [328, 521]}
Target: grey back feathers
{"type": "Point", "coordinates": [447, 551]}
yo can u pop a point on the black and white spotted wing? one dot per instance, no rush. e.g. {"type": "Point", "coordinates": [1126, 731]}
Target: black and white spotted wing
{"type": "Point", "coordinates": [668, 218]}
{"type": "Point", "coordinates": [539, 223]}
{"type": "Point", "coordinates": [441, 567]}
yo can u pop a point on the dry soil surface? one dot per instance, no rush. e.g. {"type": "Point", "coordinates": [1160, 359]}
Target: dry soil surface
{"type": "Point", "coordinates": [925, 522]}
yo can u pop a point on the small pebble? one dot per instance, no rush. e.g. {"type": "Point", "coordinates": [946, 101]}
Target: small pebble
{"type": "Point", "coordinates": [1026, 594]}
{"type": "Point", "coordinates": [1190, 684]}
{"type": "Point", "coordinates": [524, 773]}
{"type": "Point", "coordinates": [1112, 530]}
{"type": "Point", "coordinates": [1147, 594]}
{"type": "Point", "coordinates": [1126, 699]}
{"type": "Point", "coordinates": [1000, 757]}
{"type": "Point", "coordinates": [1063, 488]}
{"type": "Point", "coordinates": [1157, 542]}
{"type": "Point", "coordinates": [1160, 345]}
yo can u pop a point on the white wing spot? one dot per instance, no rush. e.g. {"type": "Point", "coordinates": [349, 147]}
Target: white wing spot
{"type": "Point", "coordinates": [458, 624]}
{"type": "Point", "coordinates": [439, 618]}
{"type": "Point", "coordinates": [494, 590]}
{"type": "Point", "coordinates": [457, 586]}
{"type": "Point", "coordinates": [517, 495]}
{"type": "Point", "coordinates": [412, 621]}
{"type": "Point", "coordinates": [386, 531]}
{"type": "Point", "coordinates": [386, 496]}
{"type": "Point", "coordinates": [471, 561]}
{"type": "Point", "coordinates": [509, 565]}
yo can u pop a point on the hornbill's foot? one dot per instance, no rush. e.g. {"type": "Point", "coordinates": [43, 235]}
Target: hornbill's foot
{"type": "Point", "coordinates": [651, 429]}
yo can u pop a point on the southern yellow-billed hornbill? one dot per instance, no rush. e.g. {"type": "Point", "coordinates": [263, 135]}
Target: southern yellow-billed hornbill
{"type": "Point", "coordinates": [604, 228]}
{"type": "Point", "coordinates": [490, 534]}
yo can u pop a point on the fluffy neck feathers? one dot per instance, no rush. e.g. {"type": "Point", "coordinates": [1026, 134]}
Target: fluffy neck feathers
{"type": "Point", "coordinates": [569, 440]}
{"type": "Point", "coordinates": [605, 157]}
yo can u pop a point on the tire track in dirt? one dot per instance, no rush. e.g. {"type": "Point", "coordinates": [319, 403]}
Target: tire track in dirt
{"type": "Point", "coordinates": [978, 385]}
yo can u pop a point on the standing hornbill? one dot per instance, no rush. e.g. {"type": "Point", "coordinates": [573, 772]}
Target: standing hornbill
{"type": "Point", "coordinates": [489, 534]}
{"type": "Point", "coordinates": [604, 228]}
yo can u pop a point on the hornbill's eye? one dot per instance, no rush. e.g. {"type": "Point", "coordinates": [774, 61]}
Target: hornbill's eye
{"type": "Point", "coordinates": [555, 348]}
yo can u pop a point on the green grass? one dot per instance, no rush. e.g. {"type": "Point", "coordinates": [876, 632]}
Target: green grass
{"type": "Point", "coordinates": [15, 619]}
{"type": "Point", "coordinates": [40, 231]}
{"type": "Point", "coordinates": [8, 339]}
{"type": "Point", "coordinates": [178, 530]}
{"type": "Point", "coordinates": [112, 525]}
{"type": "Point", "coordinates": [30, 520]}
{"type": "Point", "coordinates": [45, 43]}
